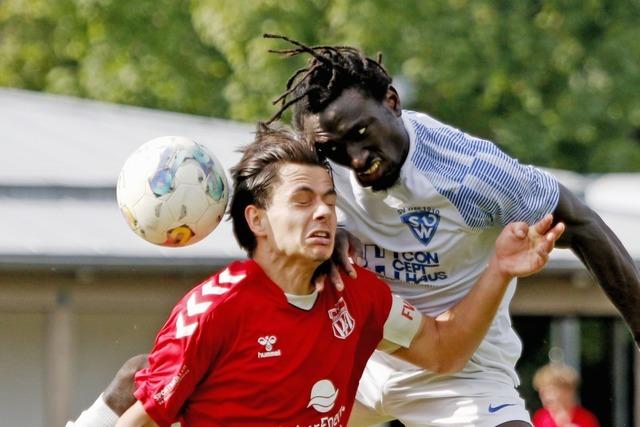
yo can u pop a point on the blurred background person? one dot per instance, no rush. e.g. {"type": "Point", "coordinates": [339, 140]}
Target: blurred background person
{"type": "Point", "coordinates": [557, 384]}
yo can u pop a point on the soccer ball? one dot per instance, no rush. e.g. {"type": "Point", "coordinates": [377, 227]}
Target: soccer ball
{"type": "Point", "coordinates": [172, 191]}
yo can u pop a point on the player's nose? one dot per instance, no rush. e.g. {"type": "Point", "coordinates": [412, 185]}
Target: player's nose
{"type": "Point", "coordinates": [358, 157]}
{"type": "Point", "coordinates": [322, 211]}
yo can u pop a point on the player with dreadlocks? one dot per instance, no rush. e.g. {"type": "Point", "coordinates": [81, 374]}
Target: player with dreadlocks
{"type": "Point", "coordinates": [257, 345]}
{"type": "Point", "coordinates": [426, 201]}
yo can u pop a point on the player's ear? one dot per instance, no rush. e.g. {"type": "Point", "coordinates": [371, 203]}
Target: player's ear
{"type": "Point", "coordinates": [392, 101]}
{"type": "Point", "coordinates": [256, 219]}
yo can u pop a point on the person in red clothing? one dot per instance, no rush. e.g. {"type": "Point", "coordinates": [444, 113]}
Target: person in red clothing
{"type": "Point", "coordinates": [257, 344]}
{"type": "Point", "coordinates": [557, 385]}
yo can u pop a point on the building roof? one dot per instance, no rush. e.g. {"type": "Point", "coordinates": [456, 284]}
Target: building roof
{"type": "Point", "coordinates": [61, 157]}
{"type": "Point", "coordinates": [60, 163]}
{"type": "Point", "coordinates": [63, 141]}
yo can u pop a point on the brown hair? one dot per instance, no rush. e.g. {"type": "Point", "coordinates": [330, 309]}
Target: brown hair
{"type": "Point", "coordinates": [257, 172]}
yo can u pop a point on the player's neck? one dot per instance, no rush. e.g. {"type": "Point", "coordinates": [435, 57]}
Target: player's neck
{"type": "Point", "coordinates": [292, 275]}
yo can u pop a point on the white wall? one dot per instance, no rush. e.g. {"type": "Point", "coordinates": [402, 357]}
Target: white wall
{"type": "Point", "coordinates": [63, 337]}
{"type": "Point", "coordinates": [22, 372]}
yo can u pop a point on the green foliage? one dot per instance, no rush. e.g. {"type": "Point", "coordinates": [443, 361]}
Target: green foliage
{"type": "Point", "coordinates": [552, 81]}
{"type": "Point", "coordinates": [144, 52]}
{"type": "Point", "coordinates": [236, 28]}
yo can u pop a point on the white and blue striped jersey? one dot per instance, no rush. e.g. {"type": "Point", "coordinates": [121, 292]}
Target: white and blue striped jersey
{"type": "Point", "coordinates": [431, 234]}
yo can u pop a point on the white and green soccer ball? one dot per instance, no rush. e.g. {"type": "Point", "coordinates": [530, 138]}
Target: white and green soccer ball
{"type": "Point", "coordinates": [172, 191]}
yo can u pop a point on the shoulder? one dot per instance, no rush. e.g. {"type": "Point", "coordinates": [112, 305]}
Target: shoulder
{"type": "Point", "coordinates": [366, 276]}
{"type": "Point", "coordinates": [218, 290]}
{"type": "Point", "coordinates": [541, 417]}
{"type": "Point", "coordinates": [434, 135]}
{"type": "Point", "coordinates": [367, 281]}
{"type": "Point", "coordinates": [586, 417]}
{"type": "Point", "coordinates": [448, 156]}
{"type": "Point", "coordinates": [486, 185]}
{"type": "Point", "coordinates": [372, 296]}
{"type": "Point", "coordinates": [416, 118]}
{"type": "Point", "coordinates": [212, 300]}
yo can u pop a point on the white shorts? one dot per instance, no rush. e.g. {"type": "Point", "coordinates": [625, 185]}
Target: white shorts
{"type": "Point", "coordinates": [417, 398]}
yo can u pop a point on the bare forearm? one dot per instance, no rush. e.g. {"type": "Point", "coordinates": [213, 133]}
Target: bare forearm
{"type": "Point", "coordinates": [447, 342]}
{"type": "Point", "coordinates": [119, 393]}
{"type": "Point", "coordinates": [613, 268]}
{"type": "Point", "coordinates": [603, 255]}
{"type": "Point", "coordinates": [463, 327]}
{"type": "Point", "coordinates": [136, 416]}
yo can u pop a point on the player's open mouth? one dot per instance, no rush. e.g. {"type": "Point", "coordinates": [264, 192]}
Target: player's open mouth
{"type": "Point", "coordinates": [321, 234]}
{"type": "Point", "coordinates": [375, 165]}
{"type": "Point", "coordinates": [372, 174]}
{"type": "Point", "coordinates": [321, 237]}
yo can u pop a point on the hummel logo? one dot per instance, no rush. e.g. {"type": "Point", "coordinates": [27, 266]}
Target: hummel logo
{"type": "Point", "coordinates": [493, 409]}
{"type": "Point", "coordinates": [268, 343]}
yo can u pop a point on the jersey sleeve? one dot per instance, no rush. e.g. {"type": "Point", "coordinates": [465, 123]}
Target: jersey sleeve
{"type": "Point", "coordinates": [185, 348]}
{"type": "Point", "coordinates": [488, 187]}
{"type": "Point", "coordinates": [402, 325]}
{"type": "Point", "coordinates": [507, 190]}
{"type": "Point", "coordinates": [376, 294]}
{"type": "Point", "coordinates": [397, 320]}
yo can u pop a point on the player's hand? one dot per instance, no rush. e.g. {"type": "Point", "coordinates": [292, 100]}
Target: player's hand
{"type": "Point", "coordinates": [347, 250]}
{"type": "Point", "coordinates": [522, 250]}
{"type": "Point", "coordinates": [119, 393]}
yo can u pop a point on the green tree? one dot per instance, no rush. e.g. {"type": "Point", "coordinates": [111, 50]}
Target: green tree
{"type": "Point", "coordinates": [552, 81]}
{"type": "Point", "coordinates": [144, 52]}
{"type": "Point", "coordinates": [235, 27]}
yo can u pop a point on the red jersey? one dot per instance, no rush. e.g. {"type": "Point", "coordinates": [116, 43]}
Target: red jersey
{"type": "Point", "coordinates": [580, 417]}
{"type": "Point", "coordinates": [235, 352]}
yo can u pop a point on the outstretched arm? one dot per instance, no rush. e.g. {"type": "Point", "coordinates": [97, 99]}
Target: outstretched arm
{"type": "Point", "coordinates": [116, 398]}
{"type": "Point", "coordinates": [446, 343]}
{"type": "Point", "coordinates": [119, 394]}
{"type": "Point", "coordinates": [604, 256]}
{"type": "Point", "coordinates": [136, 416]}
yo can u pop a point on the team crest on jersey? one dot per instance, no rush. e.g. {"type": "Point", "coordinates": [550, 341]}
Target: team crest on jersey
{"type": "Point", "coordinates": [423, 224]}
{"type": "Point", "coordinates": [341, 320]}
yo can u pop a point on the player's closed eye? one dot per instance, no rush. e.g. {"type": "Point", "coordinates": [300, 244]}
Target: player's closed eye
{"type": "Point", "coordinates": [330, 200]}
{"type": "Point", "coordinates": [302, 199]}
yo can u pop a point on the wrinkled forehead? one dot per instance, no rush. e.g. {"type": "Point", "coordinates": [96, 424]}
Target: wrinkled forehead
{"type": "Point", "coordinates": [295, 176]}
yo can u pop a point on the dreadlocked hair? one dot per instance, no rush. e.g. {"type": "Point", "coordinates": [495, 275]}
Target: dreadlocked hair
{"type": "Point", "coordinates": [330, 70]}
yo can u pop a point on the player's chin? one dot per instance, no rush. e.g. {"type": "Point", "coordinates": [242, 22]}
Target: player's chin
{"type": "Point", "coordinates": [386, 180]}
{"type": "Point", "coordinates": [320, 253]}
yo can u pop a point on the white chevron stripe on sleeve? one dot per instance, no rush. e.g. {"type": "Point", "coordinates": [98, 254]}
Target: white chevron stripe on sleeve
{"type": "Point", "coordinates": [184, 330]}
{"type": "Point", "coordinates": [226, 277]}
{"type": "Point", "coordinates": [194, 307]}
{"type": "Point", "coordinates": [209, 289]}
